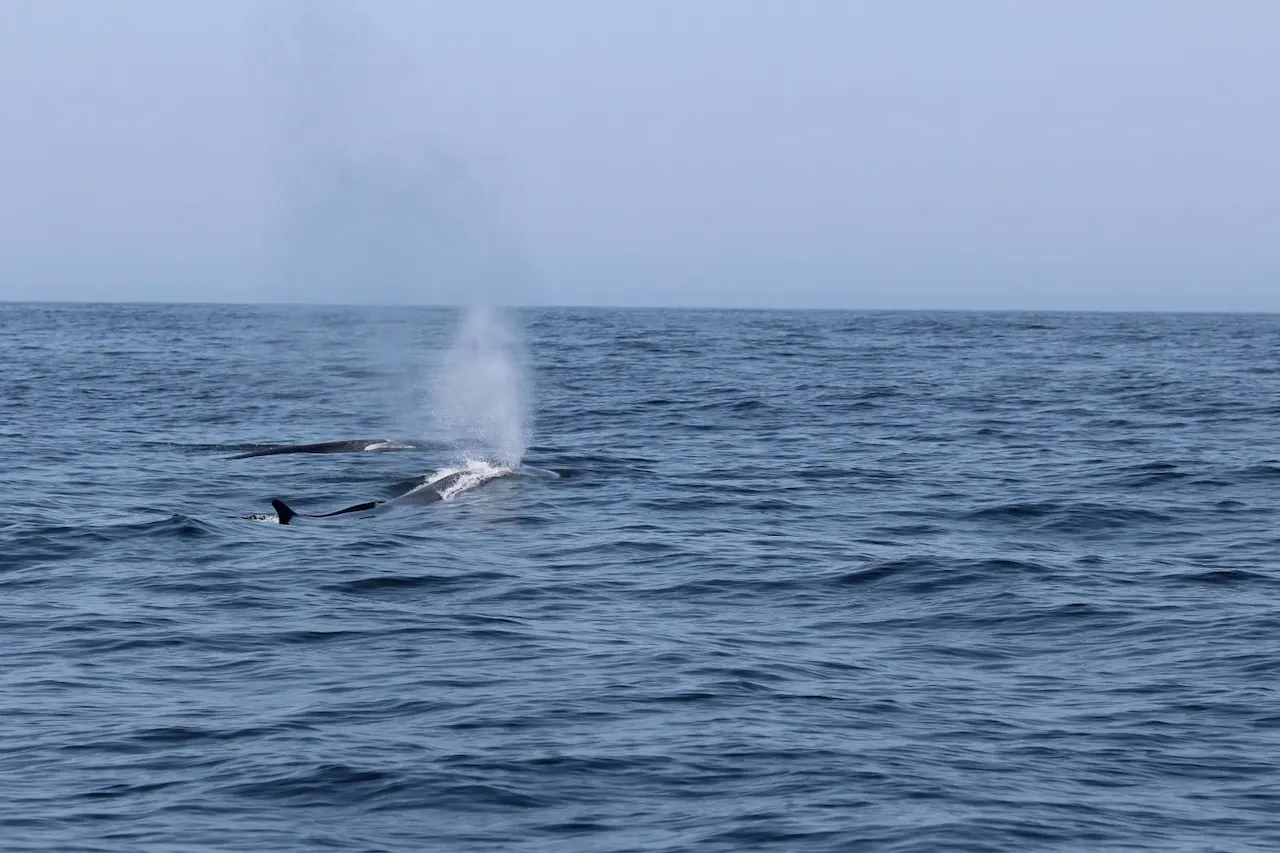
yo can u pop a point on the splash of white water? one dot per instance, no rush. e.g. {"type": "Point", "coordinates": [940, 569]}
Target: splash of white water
{"type": "Point", "coordinates": [478, 396]}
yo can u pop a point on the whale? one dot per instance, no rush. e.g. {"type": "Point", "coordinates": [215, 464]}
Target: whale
{"type": "Point", "coordinates": [433, 491]}
{"type": "Point", "coordinates": [348, 446]}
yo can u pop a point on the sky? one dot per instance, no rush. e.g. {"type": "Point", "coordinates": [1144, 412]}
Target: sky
{"type": "Point", "coordinates": [991, 154]}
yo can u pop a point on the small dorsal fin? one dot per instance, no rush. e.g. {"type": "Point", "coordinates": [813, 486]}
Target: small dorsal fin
{"type": "Point", "coordinates": [282, 511]}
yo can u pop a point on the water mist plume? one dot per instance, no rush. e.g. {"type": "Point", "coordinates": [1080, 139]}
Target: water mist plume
{"type": "Point", "coordinates": [479, 394]}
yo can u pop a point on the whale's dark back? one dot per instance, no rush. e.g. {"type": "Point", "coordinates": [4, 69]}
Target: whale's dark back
{"type": "Point", "coordinates": [319, 447]}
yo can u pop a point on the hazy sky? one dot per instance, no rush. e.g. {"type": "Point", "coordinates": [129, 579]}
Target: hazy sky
{"type": "Point", "coordinates": [1074, 154]}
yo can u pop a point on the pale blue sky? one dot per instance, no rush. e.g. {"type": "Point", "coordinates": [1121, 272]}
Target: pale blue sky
{"type": "Point", "coordinates": [1072, 154]}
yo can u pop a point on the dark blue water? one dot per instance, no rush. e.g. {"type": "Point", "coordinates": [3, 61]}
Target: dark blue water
{"type": "Point", "coordinates": [807, 581]}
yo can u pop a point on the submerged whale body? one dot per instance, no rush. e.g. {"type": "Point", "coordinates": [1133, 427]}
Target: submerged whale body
{"type": "Point", "coordinates": [429, 492]}
{"type": "Point", "coordinates": [352, 446]}
{"type": "Point", "coordinates": [346, 446]}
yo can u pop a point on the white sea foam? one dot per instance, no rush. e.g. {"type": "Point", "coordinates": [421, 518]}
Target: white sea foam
{"type": "Point", "coordinates": [474, 473]}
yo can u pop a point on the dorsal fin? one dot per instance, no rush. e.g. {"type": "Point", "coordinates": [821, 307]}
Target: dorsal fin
{"type": "Point", "coordinates": [282, 511]}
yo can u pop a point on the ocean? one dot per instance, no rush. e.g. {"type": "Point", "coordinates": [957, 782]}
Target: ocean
{"type": "Point", "coordinates": [821, 581]}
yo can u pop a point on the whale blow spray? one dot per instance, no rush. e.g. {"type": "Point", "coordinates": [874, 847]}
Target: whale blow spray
{"type": "Point", "coordinates": [479, 394]}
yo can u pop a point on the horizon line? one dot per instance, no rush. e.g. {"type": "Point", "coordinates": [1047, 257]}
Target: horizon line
{"type": "Point", "coordinates": [644, 307]}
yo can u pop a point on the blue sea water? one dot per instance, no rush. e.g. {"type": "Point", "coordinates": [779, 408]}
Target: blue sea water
{"type": "Point", "coordinates": [804, 581]}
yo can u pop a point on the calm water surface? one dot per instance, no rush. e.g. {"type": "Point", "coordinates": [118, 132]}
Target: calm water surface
{"type": "Point", "coordinates": [805, 581]}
